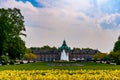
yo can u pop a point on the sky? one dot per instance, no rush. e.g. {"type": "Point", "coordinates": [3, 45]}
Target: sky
{"type": "Point", "coordinates": [82, 23]}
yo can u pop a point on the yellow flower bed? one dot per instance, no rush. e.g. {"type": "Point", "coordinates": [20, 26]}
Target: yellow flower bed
{"type": "Point", "coordinates": [60, 75]}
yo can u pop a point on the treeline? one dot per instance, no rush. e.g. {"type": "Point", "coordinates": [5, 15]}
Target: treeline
{"type": "Point", "coordinates": [47, 47]}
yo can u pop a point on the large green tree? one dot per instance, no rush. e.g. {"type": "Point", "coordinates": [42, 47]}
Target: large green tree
{"type": "Point", "coordinates": [115, 54]}
{"type": "Point", "coordinates": [11, 27]}
{"type": "Point", "coordinates": [117, 45]}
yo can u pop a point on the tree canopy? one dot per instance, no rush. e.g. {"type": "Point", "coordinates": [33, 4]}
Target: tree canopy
{"type": "Point", "coordinates": [46, 47]}
{"type": "Point", "coordinates": [100, 56]}
{"type": "Point", "coordinates": [11, 27]}
{"type": "Point", "coordinates": [117, 45]}
{"type": "Point", "coordinates": [115, 54]}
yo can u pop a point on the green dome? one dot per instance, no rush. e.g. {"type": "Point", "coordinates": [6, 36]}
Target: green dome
{"type": "Point", "coordinates": [64, 47]}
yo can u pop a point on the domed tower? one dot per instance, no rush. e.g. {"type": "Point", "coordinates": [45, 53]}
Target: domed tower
{"type": "Point", "coordinates": [64, 49]}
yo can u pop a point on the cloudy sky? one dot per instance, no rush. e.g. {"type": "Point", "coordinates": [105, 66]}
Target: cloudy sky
{"type": "Point", "coordinates": [82, 23]}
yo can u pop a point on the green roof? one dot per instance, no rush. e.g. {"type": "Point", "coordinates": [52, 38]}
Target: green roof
{"type": "Point", "coordinates": [64, 47]}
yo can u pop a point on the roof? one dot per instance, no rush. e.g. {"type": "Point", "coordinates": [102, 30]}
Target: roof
{"type": "Point", "coordinates": [64, 47]}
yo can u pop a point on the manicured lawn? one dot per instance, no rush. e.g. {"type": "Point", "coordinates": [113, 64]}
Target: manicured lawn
{"type": "Point", "coordinates": [44, 66]}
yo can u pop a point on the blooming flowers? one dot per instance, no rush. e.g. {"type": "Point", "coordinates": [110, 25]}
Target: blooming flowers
{"type": "Point", "coordinates": [60, 75]}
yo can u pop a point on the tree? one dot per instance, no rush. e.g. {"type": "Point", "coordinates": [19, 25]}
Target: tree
{"type": "Point", "coordinates": [16, 48]}
{"type": "Point", "coordinates": [99, 56]}
{"type": "Point", "coordinates": [115, 56]}
{"type": "Point", "coordinates": [11, 27]}
{"type": "Point", "coordinates": [28, 50]}
{"type": "Point", "coordinates": [117, 45]}
{"type": "Point", "coordinates": [54, 48]}
{"type": "Point", "coordinates": [76, 48]}
{"type": "Point", "coordinates": [87, 49]}
{"type": "Point", "coordinates": [4, 59]}
{"type": "Point", "coordinates": [30, 56]}
{"type": "Point", "coordinates": [46, 47]}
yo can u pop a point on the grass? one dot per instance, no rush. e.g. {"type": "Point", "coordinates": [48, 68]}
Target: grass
{"type": "Point", "coordinates": [43, 66]}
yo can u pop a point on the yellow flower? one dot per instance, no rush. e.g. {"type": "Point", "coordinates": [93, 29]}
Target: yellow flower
{"type": "Point", "coordinates": [60, 75]}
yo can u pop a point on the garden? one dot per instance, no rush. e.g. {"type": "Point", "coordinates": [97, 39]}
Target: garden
{"type": "Point", "coordinates": [42, 71]}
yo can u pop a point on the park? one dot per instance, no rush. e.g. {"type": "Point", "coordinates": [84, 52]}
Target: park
{"type": "Point", "coordinates": [18, 62]}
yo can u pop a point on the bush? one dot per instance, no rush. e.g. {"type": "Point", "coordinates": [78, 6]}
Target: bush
{"type": "Point", "coordinates": [5, 59]}
{"type": "Point", "coordinates": [115, 56]}
{"type": "Point", "coordinates": [118, 62]}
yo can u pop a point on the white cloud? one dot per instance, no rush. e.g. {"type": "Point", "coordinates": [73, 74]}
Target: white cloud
{"type": "Point", "coordinates": [66, 19]}
{"type": "Point", "coordinates": [67, 4]}
{"type": "Point", "coordinates": [99, 2]}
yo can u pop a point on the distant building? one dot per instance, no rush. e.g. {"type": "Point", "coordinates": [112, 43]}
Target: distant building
{"type": "Point", "coordinates": [55, 55]}
{"type": "Point", "coordinates": [64, 52]}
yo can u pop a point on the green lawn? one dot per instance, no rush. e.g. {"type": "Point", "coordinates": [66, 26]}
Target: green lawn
{"type": "Point", "coordinates": [43, 66]}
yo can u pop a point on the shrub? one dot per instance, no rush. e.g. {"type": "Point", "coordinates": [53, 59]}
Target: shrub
{"type": "Point", "coordinates": [5, 59]}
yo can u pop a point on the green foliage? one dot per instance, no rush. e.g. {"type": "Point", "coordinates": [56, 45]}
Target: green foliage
{"type": "Point", "coordinates": [99, 56]}
{"type": "Point", "coordinates": [30, 56]}
{"type": "Point", "coordinates": [11, 27]}
{"type": "Point", "coordinates": [46, 47]}
{"type": "Point", "coordinates": [115, 55]}
{"type": "Point", "coordinates": [16, 48]}
{"type": "Point", "coordinates": [87, 49]}
{"type": "Point", "coordinates": [117, 45]}
{"type": "Point", "coordinates": [76, 48]}
{"type": "Point", "coordinates": [5, 59]}
{"type": "Point", "coordinates": [54, 48]}
{"type": "Point", "coordinates": [28, 50]}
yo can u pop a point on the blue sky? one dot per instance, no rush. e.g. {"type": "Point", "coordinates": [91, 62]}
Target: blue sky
{"type": "Point", "coordinates": [34, 2]}
{"type": "Point", "coordinates": [83, 23]}
{"type": "Point", "coordinates": [112, 6]}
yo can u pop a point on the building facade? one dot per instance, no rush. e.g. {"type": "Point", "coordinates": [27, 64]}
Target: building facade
{"type": "Point", "coordinates": [55, 55]}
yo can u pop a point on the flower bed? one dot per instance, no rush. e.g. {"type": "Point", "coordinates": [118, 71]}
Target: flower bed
{"type": "Point", "coordinates": [60, 75]}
